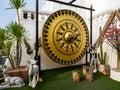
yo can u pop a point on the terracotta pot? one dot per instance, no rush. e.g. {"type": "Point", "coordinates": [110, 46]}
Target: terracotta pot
{"type": "Point", "coordinates": [21, 72]}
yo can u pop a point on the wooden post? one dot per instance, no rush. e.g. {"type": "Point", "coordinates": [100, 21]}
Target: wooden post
{"type": "Point", "coordinates": [88, 73]}
{"type": "Point", "coordinates": [76, 76]}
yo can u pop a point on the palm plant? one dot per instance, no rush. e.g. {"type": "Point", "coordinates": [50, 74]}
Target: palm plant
{"type": "Point", "coordinates": [101, 55]}
{"type": "Point", "coordinates": [3, 38]}
{"type": "Point", "coordinates": [8, 46]}
{"type": "Point", "coordinates": [17, 4]}
{"type": "Point", "coordinates": [18, 34]}
{"type": "Point", "coordinates": [4, 46]}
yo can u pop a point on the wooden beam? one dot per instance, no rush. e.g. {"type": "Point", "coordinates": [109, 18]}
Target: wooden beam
{"type": "Point", "coordinates": [118, 14]}
{"type": "Point", "coordinates": [110, 19]}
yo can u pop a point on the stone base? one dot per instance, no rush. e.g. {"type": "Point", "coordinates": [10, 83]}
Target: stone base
{"type": "Point", "coordinates": [115, 74]}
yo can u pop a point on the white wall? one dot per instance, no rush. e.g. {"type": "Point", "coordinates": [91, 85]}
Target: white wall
{"type": "Point", "coordinates": [98, 5]}
{"type": "Point", "coordinates": [52, 7]}
{"type": "Point", "coordinates": [102, 5]}
{"type": "Point", "coordinates": [113, 3]}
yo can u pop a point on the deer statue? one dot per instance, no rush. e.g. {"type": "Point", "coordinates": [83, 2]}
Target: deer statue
{"type": "Point", "coordinates": [33, 73]}
{"type": "Point", "coordinates": [11, 82]}
{"type": "Point", "coordinates": [94, 61]}
{"type": "Point", "coordinates": [33, 67]}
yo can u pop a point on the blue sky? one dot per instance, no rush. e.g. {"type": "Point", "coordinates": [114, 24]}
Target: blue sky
{"type": "Point", "coordinates": [6, 16]}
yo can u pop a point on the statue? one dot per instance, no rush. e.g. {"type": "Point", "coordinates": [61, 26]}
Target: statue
{"type": "Point", "coordinates": [33, 73]}
{"type": "Point", "coordinates": [11, 82]}
{"type": "Point", "coordinates": [33, 69]}
{"type": "Point", "coordinates": [94, 61]}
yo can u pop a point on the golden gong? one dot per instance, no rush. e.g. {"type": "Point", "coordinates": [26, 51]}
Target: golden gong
{"type": "Point", "coordinates": [65, 37]}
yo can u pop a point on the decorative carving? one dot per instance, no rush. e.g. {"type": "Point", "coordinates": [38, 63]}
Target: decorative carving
{"type": "Point", "coordinates": [65, 37]}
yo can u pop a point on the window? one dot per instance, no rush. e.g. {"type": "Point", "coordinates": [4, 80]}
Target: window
{"type": "Point", "coordinates": [25, 15]}
{"type": "Point", "coordinates": [32, 16]}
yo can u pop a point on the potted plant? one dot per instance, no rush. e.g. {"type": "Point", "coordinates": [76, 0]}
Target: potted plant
{"type": "Point", "coordinates": [2, 41]}
{"type": "Point", "coordinates": [14, 47]}
{"type": "Point", "coordinates": [17, 4]}
{"type": "Point", "coordinates": [112, 36]}
{"type": "Point", "coordinates": [2, 48]}
{"type": "Point", "coordinates": [18, 36]}
{"type": "Point", "coordinates": [105, 69]}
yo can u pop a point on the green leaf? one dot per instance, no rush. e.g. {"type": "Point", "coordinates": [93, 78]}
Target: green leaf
{"type": "Point", "coordinates": [16, 4]}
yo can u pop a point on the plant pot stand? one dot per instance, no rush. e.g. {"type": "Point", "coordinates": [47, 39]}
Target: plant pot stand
{"type": "Point", "coordinates": [115, 74]}
{"type": "Point", "coordinates": [21, 72]}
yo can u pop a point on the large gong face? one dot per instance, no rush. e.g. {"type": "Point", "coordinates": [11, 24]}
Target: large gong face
{"type": "Point", "coordinates": [65, 37]}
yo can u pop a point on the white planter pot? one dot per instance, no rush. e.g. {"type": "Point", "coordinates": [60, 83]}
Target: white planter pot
{"type": "Point", "coordinates": [2, 62]}
{"type": "Point", "coordinates": [105, 69]}
{"type": "Point", "coordinates": [115, 74]}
